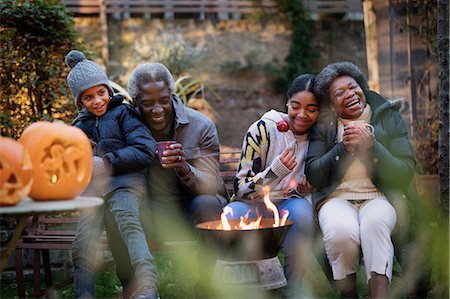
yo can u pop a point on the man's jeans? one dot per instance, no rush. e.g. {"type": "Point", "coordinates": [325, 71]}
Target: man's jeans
{"type": "Point", "coordinates": [164, 220]}
{"type": "Point", "coordinates": [124, 207]}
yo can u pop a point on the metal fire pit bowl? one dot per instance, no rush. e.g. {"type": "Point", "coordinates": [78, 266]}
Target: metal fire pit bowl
{"type": "Point", "coordinates": [253, 244]}
{"type": "Point", "coordinates": [248, 258]}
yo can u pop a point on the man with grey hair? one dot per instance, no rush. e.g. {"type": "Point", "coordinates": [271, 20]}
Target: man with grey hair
{"type": "Point", "coordinates": [185, 182]}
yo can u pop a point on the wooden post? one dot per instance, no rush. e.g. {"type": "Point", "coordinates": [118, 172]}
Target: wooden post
{"type": "Point", "coordinates": [168, 10]}
{"type": "Point", "coordinates": [222, 13]}
{"type": "Point", "coordinates": [104, 30]}
{"type": "Point", "coordinates": [370, 26]}
{"type": "Point", "coordinates": [311, 7]}
{"type": "Point", "coordinates": [202, 14]}
{"type": "Point", "coordinates": [444, 90]}
{"type": "Point", "coordinates": [443, 28]}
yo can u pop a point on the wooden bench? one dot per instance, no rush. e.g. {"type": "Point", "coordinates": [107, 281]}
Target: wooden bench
{"type": "Point", "coordinates": [46, 233]}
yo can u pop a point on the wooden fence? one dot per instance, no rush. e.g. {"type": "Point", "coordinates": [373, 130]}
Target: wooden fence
{"type": "Point", "coordinates": [221, 8]}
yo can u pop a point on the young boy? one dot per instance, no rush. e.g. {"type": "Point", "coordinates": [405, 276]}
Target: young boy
{"type": "Point", "coordinates": [122, 148]}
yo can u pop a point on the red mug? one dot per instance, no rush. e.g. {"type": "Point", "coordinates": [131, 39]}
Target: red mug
{"type": "Point", "coordinates": [161, 146]}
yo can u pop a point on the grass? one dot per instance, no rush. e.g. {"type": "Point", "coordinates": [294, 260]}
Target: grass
{"type": "Point", "coordinates": [178, 272]}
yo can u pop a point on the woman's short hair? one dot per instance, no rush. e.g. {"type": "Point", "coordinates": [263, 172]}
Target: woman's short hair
{"type": "Point", "coordinates": [332, 71]}
{"type": "Point", "coordinates": [301, 83]}
{"type": "Point", "coordinates": [146, 73]}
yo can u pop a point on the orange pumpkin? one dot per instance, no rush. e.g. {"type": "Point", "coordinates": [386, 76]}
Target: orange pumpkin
{"type": "Point", "coordinates": [16, 172]}
{"type": "Point", "coordinates": [62, 160]}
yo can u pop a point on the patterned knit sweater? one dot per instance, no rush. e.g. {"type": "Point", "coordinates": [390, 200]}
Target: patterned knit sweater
{"type": "Point", "coordinates": [260, 163]}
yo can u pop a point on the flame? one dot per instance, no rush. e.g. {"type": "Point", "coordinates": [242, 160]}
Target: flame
{"type": "Point", "coordinates": [245, 224]}
{"type": "Point", "coordinates": [271, 207]}
{"type": "Point", "coordinates": [284, 217]}
{"type": "Point", "coordinates": [54, 179]}
{"type": "Point", "coordinates": [223, 217]}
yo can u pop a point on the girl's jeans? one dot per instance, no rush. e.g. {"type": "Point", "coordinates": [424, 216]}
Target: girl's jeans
{"type": "Point", "coordinates": [124, 206]}
{"type": "Point", "coordinates": [299, 236]}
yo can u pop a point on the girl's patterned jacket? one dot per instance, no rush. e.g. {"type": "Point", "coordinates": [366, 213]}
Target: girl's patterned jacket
{"type": "Point", "coordinates": [260, 164]}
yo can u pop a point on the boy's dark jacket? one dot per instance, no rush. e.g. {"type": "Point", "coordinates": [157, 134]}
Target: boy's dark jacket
{"type": "Point", "coordinates": [123, 141]}
{"type": "Point", "coordinates": [392, 156]}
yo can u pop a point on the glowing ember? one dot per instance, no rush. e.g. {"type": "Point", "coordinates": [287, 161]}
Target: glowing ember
{"type": "Point", "coordinates": [246, 224]}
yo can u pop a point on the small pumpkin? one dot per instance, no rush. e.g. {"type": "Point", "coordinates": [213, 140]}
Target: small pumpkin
{"type": "Point", "coordinates": [62, 160]}
{"type": "Point", "coordinates": [16, 172]}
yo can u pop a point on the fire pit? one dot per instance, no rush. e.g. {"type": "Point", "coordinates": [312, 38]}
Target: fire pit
{"type": "Point", "coordinates": [248, 257]}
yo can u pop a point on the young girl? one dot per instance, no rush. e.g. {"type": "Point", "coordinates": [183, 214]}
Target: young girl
{"type": "Point", "coordinates": [123, 148]}
{"type": "Point", "coordinates": [271, 157]}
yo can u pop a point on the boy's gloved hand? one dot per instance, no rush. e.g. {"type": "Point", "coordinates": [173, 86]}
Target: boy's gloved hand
{"type": "Point", "coordinates": [98, 166]}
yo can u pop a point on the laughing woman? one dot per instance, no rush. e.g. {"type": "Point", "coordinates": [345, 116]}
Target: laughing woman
{"type": "Point", "coordinates": [358, 171]}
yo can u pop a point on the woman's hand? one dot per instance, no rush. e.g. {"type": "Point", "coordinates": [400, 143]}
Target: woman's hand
{"type": "Point", "coordinates": [174, 157]}
{"type": "Point", "coordinates": [351, 138]}
{"type": "Point", "coordinates": [367, 140]}
{"type": "Point", "coordinates": [304, 187]}
{"type": "Point", "coordinates": [358, 139]}
{"type": "Point", "coordinates": [287, 157]}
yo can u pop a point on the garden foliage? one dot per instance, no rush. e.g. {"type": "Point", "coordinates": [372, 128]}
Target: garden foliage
{"type": "Point", "coordinates": [34, 38]}
{"type": "Point", "coordinates": [301, 54]}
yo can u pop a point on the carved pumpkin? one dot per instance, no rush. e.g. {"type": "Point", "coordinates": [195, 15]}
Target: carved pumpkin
{"type": "Point", "coordinates": [62, 160]}
{"type": "Point", "coordinates": [16, 172]}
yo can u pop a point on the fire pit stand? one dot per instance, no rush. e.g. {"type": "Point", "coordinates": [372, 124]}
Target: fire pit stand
{"type": "Point", "coordinates": [266, 274]}
{"type": "Point", "coordinates": [248, 258]}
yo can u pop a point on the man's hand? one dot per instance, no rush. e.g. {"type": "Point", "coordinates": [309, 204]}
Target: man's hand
{"type": "Point", "coordinates": [174, 157]}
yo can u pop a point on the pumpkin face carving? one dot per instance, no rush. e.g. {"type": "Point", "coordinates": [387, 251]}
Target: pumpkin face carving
{"type": "Point", "coordinates": [62, 160]}
{"type": "Point", "coordinates": [16, 172]}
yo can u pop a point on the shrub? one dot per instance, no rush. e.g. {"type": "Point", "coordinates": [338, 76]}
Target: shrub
{"type": "Point", "coordinates": [301, 54]}
{"type": "Point", "coordinates": [192, 93]}
{"type": "Point", "coordinates": [34, 38]}
{"type": "Point", "coordinates": [176, 53]}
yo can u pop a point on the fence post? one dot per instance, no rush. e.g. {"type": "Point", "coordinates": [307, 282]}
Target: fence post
{"type": "Point", "coordinates": [236, 15]}
{"type": "Point", "coordinates": [126, 10]}
{"type": "Point", "coordinates": [202, 15]}
{"type": "Point", "coordinates": [354, 10]}
{"type": "Point", "coordinates": [222, 13]}
{"type": "Point", "coordinates": [168, 10]}
{"type": "Point", "coordinates": [311, 8]}
{"type": "Point", "coordinates": [370, 25]}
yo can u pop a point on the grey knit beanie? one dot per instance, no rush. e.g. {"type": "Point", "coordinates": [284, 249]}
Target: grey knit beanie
{"type": "Point", "coordinates": [84, 74]}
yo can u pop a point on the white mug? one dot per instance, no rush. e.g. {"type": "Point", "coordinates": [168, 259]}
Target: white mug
{"type": "Point", "coordinates": [362, 123]}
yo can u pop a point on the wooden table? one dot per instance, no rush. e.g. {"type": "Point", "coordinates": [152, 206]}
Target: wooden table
{"type": "Point", "coordinates": [28, 207]}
